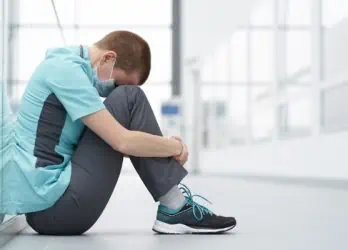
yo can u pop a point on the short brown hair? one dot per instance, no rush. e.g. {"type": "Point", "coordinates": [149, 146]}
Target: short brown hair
{"type": "Point", "coordinates": [133, 52]}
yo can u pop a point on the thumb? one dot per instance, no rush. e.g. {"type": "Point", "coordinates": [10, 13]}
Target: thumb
{"type": "Point", "coordinates": [177, 138]}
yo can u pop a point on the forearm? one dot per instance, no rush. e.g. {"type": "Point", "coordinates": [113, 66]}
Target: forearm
{"type": "Point", "coordinates": [146, 145]}
{"type": "Point", "coordinates": [130, 142]}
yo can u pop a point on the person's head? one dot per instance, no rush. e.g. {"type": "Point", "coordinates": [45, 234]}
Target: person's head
{"type": "Point", "coordinates": [123, 53]}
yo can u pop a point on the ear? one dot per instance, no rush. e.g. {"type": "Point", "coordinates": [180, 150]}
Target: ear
{"type": "Point", "coordinates": [110, 55]}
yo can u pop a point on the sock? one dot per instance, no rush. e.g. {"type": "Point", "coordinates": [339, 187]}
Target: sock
{"type": "Point", "coordinates": [174, 199]}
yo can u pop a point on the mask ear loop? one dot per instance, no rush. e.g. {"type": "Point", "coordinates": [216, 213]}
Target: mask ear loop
{"type": "Point", "coordinates": [96, 68]}
{"type": "Point", "coordinates": [112, 69]}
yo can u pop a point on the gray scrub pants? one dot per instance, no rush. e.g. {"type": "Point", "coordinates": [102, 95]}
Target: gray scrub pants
{"type": "Point", "coordinates": [96, 168]}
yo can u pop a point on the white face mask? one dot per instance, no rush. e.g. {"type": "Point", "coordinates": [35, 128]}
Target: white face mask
{"type": "Point", "coordinates": [104, 87]}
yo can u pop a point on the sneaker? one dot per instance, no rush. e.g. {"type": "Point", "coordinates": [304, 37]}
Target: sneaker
{"type": "Point", "coordinates": [192, 218]}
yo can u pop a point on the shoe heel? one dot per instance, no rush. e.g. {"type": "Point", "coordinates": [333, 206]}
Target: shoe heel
{"type": "Point", "coordinates": [164, 228]}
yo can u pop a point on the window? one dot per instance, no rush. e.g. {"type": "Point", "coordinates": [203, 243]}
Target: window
{"type": "Point", "coordinates": [334, 12]}
{"type": "Point", "coordinates": [222, 63]}
{"type": "Point", "coordinates": [335, 48]}
{"type": "Point", "coordinates": [263, 14]}
{"type": "Point", "coordinates": [295, 117]}
{"type": "Point", "coordinates": [208, 69]}
{"type": "Point", "coordinates": [156, 94]}
{"type": "Point", "coordinates": [233, 101]}
{"type": "Point", "coordinates": [85, 22]}
{"type": "Point", "coordinates": [126, 12]}
{"type": "Point", "coordinates": [262, 56]}
{"type": "Point", "coordinates": [298, 53]}
{"type": "Point", "coordinates": [28, 14]}
{"type": "Point", "coordinates": [239, 56]}
{"type": "Point", "coordinates": [32, 45]}
{"type": "Point", "coordinates": [238, 114]}
{"type": "Point", "coordinates": [262, 121]}
{"type": "Point", "coordinates": [215, 120]}
{"type": "Point", "coordinates": [298, 12]}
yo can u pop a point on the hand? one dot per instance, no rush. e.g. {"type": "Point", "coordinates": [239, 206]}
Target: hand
{"type": "Point", "coordinates": [183, 157]}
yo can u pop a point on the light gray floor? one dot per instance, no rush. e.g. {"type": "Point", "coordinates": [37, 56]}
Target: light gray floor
{"type": "Point", "coordinates": [270, 216]}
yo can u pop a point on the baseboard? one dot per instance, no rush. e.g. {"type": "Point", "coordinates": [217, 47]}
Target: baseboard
{"type": "Point", "coordinates": [291, 180]}
{"type": "Point", "coordinates": [11, 228]}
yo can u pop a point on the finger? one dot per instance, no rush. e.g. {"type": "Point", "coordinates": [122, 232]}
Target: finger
{"type": "Point", "coordinates": [177, 138]}
{"type": "Point", "coordinates": [183, 160]}
{"type": "Point", "coordinates": [184, 153]}
{"type": "Point", "coordinates": [187, 153]}
{"type": "Point", "coordinates": [186, 157]}
{"type": "Point", "coordinates": [186, 150]}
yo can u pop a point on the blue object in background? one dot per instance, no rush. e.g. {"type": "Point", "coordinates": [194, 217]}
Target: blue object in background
{"type": "Point", "coordinates": [169, 109]}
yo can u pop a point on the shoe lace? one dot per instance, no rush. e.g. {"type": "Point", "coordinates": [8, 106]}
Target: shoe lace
{"type": "Point", "coordinates": [199, 211]}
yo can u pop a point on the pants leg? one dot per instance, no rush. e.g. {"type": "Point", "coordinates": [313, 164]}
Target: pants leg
{"type": "Point", "coordinates": [158, 174]}
{"type": "Point", "coordinates": [96, 168]}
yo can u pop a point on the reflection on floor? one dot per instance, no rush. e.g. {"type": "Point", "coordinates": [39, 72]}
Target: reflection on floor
{"type": "Point", "coordinates": [270, 216]}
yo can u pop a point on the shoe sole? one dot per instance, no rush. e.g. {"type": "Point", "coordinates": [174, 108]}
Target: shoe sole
{"type": "Point", "coordinates": [164, 228]}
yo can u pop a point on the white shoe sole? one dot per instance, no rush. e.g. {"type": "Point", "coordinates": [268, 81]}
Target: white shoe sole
{"type": "Point", "coordinates": [164, 228]}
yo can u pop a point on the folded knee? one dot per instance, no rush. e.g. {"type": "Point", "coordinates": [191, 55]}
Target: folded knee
{"type": "Point", "coordinates": [127, 89]}
{"type": "Point", "coordinates": [128, 93]}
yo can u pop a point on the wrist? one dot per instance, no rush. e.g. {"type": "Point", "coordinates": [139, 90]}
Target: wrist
{"type": "Point", "coordinates": [178, 151]}
{"type": "Point", "coordinates": [182, 148]}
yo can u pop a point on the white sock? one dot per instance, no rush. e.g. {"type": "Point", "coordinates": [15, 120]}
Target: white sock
{"type": "Point", "coordinates": [174, 199]}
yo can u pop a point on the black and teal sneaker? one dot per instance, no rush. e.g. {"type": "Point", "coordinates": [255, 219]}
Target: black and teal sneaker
{"type": "Point", "coordinates": [192, 218]}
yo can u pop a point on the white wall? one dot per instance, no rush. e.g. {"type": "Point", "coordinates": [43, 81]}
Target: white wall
{"type": "Point", "coordinates": [324, 157]}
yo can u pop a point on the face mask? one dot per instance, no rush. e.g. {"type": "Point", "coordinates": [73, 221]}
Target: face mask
{"type": "Point", "coordinates": [104, 87]}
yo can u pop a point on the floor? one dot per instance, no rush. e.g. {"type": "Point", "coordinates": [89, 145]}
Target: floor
{"type": "Point", "coordinates": [270, 216]}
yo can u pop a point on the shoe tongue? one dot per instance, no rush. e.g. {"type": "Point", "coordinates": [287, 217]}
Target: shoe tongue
{"type": "Point", "coordinates": [186, 206]}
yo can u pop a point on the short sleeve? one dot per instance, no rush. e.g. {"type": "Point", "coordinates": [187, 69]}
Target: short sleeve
{"type": "Point", "coordinates": [74, 90]}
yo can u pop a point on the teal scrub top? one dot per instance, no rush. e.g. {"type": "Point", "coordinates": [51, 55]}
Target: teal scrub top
{"type": "Point", "coordinates": [39, 143]}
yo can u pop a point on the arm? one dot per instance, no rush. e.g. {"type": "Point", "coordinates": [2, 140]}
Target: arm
{"type": "Point", "coordinates": [81, 100]}
{"type": "Point", "coordinates": [130, 142]}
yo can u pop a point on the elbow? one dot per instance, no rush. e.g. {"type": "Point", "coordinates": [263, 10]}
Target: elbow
{"type": "Point", "coordinates": [122, 148]}
{"type": "Point", "coordinates": [123, 145]}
